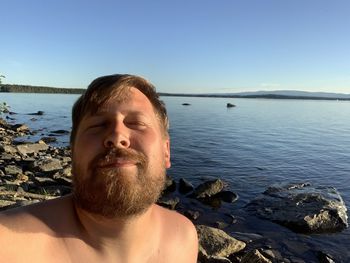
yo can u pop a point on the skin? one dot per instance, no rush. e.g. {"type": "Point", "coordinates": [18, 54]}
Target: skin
{"type": "Point", "coordinates": [59, 231]}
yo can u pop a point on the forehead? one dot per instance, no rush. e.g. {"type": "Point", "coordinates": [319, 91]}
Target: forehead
{"type": "Point", "coordinates": [129, 99]}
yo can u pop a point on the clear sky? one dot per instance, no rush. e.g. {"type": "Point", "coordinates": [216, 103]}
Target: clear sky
{"type": "Point", "coordinates": [181, 46]}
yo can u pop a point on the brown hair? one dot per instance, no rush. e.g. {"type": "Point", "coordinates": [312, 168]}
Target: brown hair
{"type": "Point", "coordinates": [105, 88]}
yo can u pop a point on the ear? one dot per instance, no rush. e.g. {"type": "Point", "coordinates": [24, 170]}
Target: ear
{"type": "Point", "coordinates": [167, 153]}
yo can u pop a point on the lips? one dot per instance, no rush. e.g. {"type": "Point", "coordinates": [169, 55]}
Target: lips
{"type": "Point", "coordinates": [116, 162]}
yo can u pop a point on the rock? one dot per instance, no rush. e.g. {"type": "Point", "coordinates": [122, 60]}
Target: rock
{"type": "Point", "coordinates": [27, 148]}
{"type": "Point", "coordinates": [302, 208]}
{"type": "Point", "coordinates": [170, 185]}
{"type": "Point", "coordinates": [49, 165]}
{"type": "Point", "coordinates": [192, 215]}
{"type": "Point", "coordinates": [230, 105]}
{"type": "Point", "coordinates": [221, 225]}
{"type": "Point", "coordinates": [8, 149]}
{"type": "Point", "coordinates": [44, 181]}
{"type": "Point", "coordinates": [20, 128]}
{"type": "Point", "coordinates": [227, 196]}
{"type": "Point", "coordinates": [13, 170]}
{"type": "Point", "coordinates": [170, 203]}
{"type": "Point", "coordinates": [49, 139]}
{"type": "Point", "coordinates": [324, 257]}
{"type": "Point", "coordinates": [60, 132]}
{"type": "Point", "coordinates": [208, 188]}
{"type": "Point", "coordinates": [255, 256]}
{"type": "Point", "coordinates": [185, 186]}
{"type": "Point", "coordinates": [214, 242]}
{"type": "Point", "coordinates": [39, 113]}
{"type": "Point", "coordinates": [186, 104]}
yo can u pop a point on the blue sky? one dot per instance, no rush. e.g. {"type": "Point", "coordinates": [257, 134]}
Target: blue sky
{"type": "Point", "coordinates": [181, 46]}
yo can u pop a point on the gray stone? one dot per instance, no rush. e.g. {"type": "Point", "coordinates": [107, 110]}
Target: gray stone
{"type": "Point", "coordinates": [8, 149]}
{"type": "Point", "coordinates": [255, 256]}
{"type": "Point", "coordinates": [302, 208]}
{"type": "Point", "coordinates": [208, 188]}
{"type": "Point", "coordinates": [13, 170]}
{"type": "Point", "coordinates": [27, 148]}
{"type": "Point", "coordinates": [214, 242]}
{"type": "Point", "coordinates": [50, 165]}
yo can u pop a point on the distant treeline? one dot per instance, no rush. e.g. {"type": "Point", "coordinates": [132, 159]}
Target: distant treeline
{"type": "Point", "coordinates": [37, 89]}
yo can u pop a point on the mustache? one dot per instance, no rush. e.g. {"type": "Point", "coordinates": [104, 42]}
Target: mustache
{"type": "Point", "coordinates": [112, 155]}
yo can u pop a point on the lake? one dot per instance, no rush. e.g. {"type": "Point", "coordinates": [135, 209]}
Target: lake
{"type": "Point", "coordinates": [251, 146]}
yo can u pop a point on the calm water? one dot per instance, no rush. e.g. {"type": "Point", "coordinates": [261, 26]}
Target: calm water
{"type": "Point", "coordinates": [252, 146]}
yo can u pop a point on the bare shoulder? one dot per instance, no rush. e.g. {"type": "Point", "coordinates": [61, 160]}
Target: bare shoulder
{"type": "Point", "coordinates": [180, 235]}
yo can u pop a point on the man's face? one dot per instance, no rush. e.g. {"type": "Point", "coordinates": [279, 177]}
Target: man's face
{"type": "Point", "coordinates": [120, 155]}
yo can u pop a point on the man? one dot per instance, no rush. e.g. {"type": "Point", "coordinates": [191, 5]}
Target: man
{"type": "Point", "coordinates": [120, 152]}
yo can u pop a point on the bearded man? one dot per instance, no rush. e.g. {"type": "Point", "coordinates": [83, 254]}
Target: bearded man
{"type": "Point", "coordinates": [120, 152]}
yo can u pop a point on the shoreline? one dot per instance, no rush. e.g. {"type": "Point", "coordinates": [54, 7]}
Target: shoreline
{"type": "Point", "coordinates": [38, 171]}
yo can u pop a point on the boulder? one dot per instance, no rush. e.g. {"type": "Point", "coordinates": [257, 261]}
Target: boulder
{"type": "Point", "coordinates": [49, 139]}
{"type": "Point", "coordinates": [186, 104]}
{"type": "Point", "coordinates": [214, 242]}
{"type": "Point", "coordinates": [230, 105]}
{"type": "Point", "coordinates": [169, 185]}
{"type": "Point", "coordinates": [208, 189]}
{"type": "Point", "coordinates": [302, 208]}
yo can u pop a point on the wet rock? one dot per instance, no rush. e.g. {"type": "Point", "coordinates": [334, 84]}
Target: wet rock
{"type": "Point", "coordinates": [60, 132]}
{"type": "Point", "coordinates": [185, 186]}
{"type": "Point", "coordinates": [221, 225]}
{"type": "Point", "coordinates": [20, 128]}
{"type": "Point", "coordinates": [28, 148]}
{"type": "Point", "coordinates": [230, 105]}
{"type": "Point", "coordinates": [39, 113]}
{"type": "Point", "coordinates": [227, 196]}
{"type": "Point", "coordinates": [208, 189]}
{"type": "Point", "coordinates": [192, 215]}
{"type": "Point", "coordinates": [169, 203]}
{"type": "Point", "coordinates": [214, 242]}
{"type": "Point", "coordinates": [324, 257]}
{"type": "Point", "coordinates": [255, 256]}
{"type": "Point", "coordinates": [49, 139]}
{"type": "Point", "coordinates": [302, 208]}
{"type": "Point", "coordinates": [170, 184]}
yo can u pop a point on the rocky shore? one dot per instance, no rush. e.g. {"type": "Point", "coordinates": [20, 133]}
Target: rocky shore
{"type": "Point", "coordinates": [35, 172]}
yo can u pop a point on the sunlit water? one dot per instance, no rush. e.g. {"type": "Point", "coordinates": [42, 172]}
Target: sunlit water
{"type": "Point", "coordinates": [251, 146]}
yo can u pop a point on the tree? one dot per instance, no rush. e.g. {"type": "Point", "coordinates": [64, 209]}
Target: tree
{"type": "Point", "coordinates": [1, 76]}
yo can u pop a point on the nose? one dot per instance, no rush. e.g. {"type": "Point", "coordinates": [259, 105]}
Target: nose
{"type": "Point", "coordinates": [117, 137]}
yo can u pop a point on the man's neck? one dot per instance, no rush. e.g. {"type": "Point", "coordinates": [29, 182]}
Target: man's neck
{"type": "Point", "coordinates": [122, 236]}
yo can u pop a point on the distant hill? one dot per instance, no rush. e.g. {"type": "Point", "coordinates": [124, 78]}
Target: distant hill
{"type": "Point", "coordinates": [278, 94]}
{"type": "Point", "coordinates": [295, 93]}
